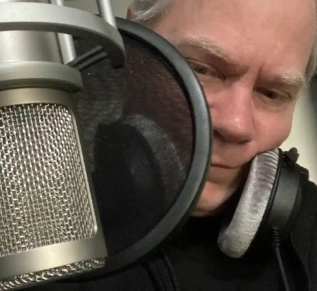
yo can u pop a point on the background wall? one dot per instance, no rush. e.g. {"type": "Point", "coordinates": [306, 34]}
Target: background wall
{"type": "Point", "coordinates": [304, 130]}
{"type": "Point", "coordinates": [119, 6]}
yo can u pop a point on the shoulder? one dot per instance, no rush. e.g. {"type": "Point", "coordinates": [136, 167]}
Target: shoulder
{"type": "Point", "coordinates": [306, 219]}
{"type": "Point", "coordinates": [308, 209]}
{"type": "Point", "coordinates": [310, 187]}
{"type": "Point", "coordinates": [304, 234]}
{"type": "Point", "coordinates": [309, 200]}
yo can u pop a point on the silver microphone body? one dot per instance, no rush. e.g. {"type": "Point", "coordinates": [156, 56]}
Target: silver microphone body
{"type": "Point", "coordinates": [49, 223]}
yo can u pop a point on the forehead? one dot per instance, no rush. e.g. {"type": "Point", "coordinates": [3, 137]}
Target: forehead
{"type": "Point", "coordinates": [271, 33]}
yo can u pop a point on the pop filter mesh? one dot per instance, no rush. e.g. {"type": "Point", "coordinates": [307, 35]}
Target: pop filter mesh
{"type": "Point", "coordinates": [138, 129]}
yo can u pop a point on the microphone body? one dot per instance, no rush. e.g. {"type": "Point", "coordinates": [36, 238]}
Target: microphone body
{"type": "Point", "coordinates": [49, 223]}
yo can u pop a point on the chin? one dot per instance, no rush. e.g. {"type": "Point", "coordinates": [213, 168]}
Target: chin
{"type": "Point", "coordinates": [215, 195]}
{"type": "Point", "coordinates": [211, 200]}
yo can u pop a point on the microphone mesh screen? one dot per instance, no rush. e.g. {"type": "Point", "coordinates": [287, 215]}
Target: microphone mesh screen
{"type": "Point", "coordinates": [44, 195]}
{"type": "Point", "coordinates": [51, 274]}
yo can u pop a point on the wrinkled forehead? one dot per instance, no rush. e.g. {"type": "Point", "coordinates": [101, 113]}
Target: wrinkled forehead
{"type": "Point", "coordinates": [270, 31]}
{"type": "Point", "coordinates": [247, 6]}
{"type": "Point", "coordinates": [249, 15]}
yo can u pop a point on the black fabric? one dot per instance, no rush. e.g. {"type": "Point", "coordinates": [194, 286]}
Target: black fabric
{"type": "Point", "coordinates": [136, 278]}
{"type": "Point", "coordinates": [126, 172]}
{"type": "Point", "coordinates": [138, 131]}
{"type": "Point", "coordinates": [200, 266]}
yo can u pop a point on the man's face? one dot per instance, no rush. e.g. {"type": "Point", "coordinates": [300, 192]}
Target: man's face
{"type": "Point", "coordinates": [250, 57]}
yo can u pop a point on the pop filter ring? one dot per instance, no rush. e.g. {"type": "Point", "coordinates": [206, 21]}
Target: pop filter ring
{"type": "Point", "coordinates": [201, 157]}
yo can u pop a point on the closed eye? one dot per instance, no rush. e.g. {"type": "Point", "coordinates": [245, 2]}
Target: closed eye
{"type": "Point", "coordinates": [275, 96]}
{"type": "Point", "coordinates": [205, 71]}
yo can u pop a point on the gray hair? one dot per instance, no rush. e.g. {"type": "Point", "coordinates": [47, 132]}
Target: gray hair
{"type": "Point", "coordinates": [145, 11]}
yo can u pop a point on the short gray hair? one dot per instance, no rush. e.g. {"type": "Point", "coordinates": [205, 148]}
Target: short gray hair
{"type": "Point", "coordinates": [145, 11]}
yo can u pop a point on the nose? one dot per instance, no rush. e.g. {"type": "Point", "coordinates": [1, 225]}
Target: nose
{"type": "Point", "coordinates": [232, 114]}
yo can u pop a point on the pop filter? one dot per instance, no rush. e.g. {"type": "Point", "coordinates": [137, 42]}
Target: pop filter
{"type": "Point", "coordinates": [148, 133]}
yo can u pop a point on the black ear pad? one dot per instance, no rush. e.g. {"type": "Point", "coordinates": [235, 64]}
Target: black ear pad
{"type": "Point", "coordinates": [236, 237]}
{"type": "Point", "coordinates": [135, 162]}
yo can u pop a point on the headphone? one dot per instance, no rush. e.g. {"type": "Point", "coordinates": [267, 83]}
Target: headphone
{"type": "Point", "coordinates": [270, 201]}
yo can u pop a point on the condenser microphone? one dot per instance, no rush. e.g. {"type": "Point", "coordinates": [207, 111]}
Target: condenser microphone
{"type": "Point", "coordinates": [49, 224]}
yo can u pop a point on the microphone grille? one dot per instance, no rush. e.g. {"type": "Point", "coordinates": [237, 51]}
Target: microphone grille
{"type": "Point", "coordinates": [45, 195]}
{"type": "Point", "coordinates": [44, 276]}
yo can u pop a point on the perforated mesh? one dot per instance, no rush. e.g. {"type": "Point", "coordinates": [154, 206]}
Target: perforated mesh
{"type": "Point", "coordinates": [44, 195]}
{"type": "Point", "coordinates": [51, 274]}
{"type": "Point", "coordinates": [138, 128]}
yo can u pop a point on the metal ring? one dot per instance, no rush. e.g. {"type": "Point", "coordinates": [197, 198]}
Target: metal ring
{"type": "Point", "coordinates": [39, 74]}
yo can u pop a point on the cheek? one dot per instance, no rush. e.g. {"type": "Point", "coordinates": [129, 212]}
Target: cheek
{"type": "Point", "coordinates": [272, 129]}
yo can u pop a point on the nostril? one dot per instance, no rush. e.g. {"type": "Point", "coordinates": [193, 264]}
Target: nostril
{"type": "Point", "coordinates": [218, 136]}
{"type": "Point", "coordinates": [233, 134]}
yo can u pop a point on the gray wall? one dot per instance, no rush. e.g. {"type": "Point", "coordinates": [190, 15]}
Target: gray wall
{"type": "Point", "coordinates": [119, 6]}
{"type": "Point", "coordinates": [304, 130]}
{"type": "Point", "coordinates": [314, 98]}
{"type": "Point", "coordinates": [87, 5]}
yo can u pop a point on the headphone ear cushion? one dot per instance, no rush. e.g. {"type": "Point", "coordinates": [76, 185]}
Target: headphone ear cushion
{"type": "Point", "coordinates": [235, 239]}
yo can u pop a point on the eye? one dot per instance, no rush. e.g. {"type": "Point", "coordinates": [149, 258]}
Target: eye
{"type": "Point", "coordinates": [204, 70]}
{"type": "Point", "coordinates": [274, 95]}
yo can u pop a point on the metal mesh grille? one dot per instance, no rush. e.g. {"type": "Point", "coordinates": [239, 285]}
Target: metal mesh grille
{"type": "Point", "coordinates": [44, 196]}
{"type": "Point", "coordinates": [51, 274]}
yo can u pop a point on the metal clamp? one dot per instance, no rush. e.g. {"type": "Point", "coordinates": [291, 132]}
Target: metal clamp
{"type": "Point", "coordinates": [40, 75]}
{"type": "Point", "coordinates": [19, 16]}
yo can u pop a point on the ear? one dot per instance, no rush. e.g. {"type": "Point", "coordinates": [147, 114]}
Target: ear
{"type": "Point", "coordinates": [129, 14]}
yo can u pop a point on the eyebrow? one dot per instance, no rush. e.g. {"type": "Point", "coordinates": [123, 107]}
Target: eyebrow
{"type": "Point", "coordinates": [206, 45]}
{"type": "Point", "coordinates": [203, 44]}
{"type": "Point", "coordinates": [290, 79]}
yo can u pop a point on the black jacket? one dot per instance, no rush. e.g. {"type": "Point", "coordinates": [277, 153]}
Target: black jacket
{"type": "Point", "coordinates": [192, 261]}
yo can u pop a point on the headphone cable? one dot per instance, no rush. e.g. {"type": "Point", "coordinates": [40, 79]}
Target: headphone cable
{"type": "Point", "coordinates": [276, 246]}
